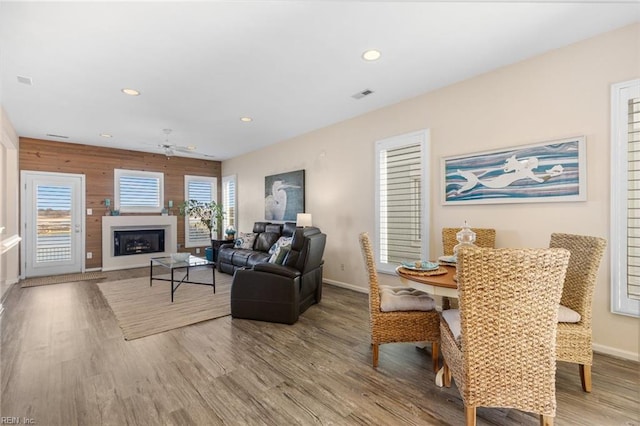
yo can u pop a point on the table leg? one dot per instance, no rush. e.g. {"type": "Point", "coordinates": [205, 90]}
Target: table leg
{"type": "Point", "coordinates": [440, 377]}
{"type": "Point", "coordinates": [446, 303]}
{"type": "Point", "coordinates": [172, 289]}
{"type": "Point", "coordinates": [150, 273]}
{"type": "Point", "coordinates": [213, 272]}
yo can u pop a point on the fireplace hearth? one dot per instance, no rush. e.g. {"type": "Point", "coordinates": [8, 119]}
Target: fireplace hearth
{"type": "Point", "coordinates": [139, 241]}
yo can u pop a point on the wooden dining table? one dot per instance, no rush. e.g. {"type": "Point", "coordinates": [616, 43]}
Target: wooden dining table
{"type": "Point", "coordinates": [443, 285]}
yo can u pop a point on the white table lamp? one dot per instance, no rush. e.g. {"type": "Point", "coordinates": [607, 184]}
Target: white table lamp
{"type": "Point", "coordinates": [303, 219]}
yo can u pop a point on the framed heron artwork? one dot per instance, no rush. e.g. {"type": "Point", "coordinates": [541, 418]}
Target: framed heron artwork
{"type": "Point", "coordinates": [551, 171]}
{"type": "Point", "coordinates": [284, 196]}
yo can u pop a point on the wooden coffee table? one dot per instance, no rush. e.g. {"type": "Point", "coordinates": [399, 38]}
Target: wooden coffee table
{"type": "Point", "coordinates": [168, 263]}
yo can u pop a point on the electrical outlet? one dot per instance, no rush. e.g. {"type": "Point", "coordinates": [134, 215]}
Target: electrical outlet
{"type": "Point", "coordinates": [89, 255]}
{"type": "Point", "coordinates": [89, 212]}
{"type": "Point", "coordinates": [198, 250]}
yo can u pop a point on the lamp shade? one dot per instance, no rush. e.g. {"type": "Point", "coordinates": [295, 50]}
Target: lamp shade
{"type": "Point", "coordinates": [303, 219]}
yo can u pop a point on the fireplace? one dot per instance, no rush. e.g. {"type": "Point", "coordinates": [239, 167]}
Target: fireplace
{"type": "Point", "coordinates": [111, 224]}
{"type": "Point", "coordinates": [138, 241]}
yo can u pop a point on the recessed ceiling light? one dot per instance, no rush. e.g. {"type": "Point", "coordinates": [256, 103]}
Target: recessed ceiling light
{"type": "Point", "coordinates": [246, 119]}
{"type": "Point", "coordinates": [192, 147]}
{"type": "Point", "coordinates": [106, 135]}
{"type": "Point", "coordinates": [130, 92]}
{"type": "Point", "coordinates": [371, 55]}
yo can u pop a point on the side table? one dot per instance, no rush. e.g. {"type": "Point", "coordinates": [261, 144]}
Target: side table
{"type": "Point", "coordinates": [215, 245]}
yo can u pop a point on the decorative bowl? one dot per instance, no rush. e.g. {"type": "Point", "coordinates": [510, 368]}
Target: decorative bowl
{"type": "Point", "coordinates": [180, 257]}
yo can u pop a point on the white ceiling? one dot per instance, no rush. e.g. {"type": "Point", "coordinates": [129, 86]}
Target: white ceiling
{"type": "Point", "coordinates": [292, 66]}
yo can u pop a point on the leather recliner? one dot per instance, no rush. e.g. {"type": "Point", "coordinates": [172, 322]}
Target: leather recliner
{"type": "Point", "coordinates": [280, 293]}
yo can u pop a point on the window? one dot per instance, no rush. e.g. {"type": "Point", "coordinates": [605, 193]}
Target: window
{"type": "Point", "coordinates": [204, 190]}
{"type": "Point", "coordinates": [625, 198]}
{"type": "Point", "coordinates": [401, 197]}
{"type": "Point", "coordinates": [138, 192]}
{"type": "Point", "coordinates": [54, 223]}
{"type": "Point", "coordinates": [229, 202]}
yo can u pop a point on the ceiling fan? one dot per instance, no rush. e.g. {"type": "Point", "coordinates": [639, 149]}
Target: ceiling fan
{"type": "Point", "coordinates": [170, 149]}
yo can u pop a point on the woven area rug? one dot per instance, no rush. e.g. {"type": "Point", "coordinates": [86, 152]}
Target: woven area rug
{"type": "Point", "coordinates": [57, 279]}
{"type": "Point", "coordinates": [142, 310]}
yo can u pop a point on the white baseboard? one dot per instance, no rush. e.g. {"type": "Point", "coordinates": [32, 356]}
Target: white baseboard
{"type": "Point", "coordinates": [346, 285]}
{"type": "Point", "coordinates": [93, 270]}
{"type": "Point", "coordinates": [618, 353]}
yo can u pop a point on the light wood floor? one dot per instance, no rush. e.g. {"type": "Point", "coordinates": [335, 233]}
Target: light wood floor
{"type": "Point", "coordinates": [64, 362]}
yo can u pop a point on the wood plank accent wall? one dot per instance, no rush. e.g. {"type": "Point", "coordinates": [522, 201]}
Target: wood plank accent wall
{"type": "Point", "coordinates": [97, 164]}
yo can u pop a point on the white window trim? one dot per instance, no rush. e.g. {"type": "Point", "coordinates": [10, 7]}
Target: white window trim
{"type": "Point", "coordinates": [422, 137]}
{"type": "Point", "coordinates": [620, 302]}
{"type": "Point", "coordinates": [213, 181]}
{"type": "Point", "coordinates": [226, 179]}
{"type": "Point", "coordinates": [118, 173]}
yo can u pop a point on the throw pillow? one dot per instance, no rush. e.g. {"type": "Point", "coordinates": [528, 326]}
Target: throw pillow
{"type": "Point", "coordinates": [282, 241]}
{"type": "Point", "coordinates": [282, 254]}
{"type": "Point", "coordinates": [245, 240]}
{"type": "Point", "coordinates": [279, 255]}
{"type": "Point", "coordinates": [404, 299]}
{"type": "Point", "coordinates": [568, 315]}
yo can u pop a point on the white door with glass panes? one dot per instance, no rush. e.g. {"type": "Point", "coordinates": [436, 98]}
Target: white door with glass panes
{"type": "Point", "coordinates": [53, 223]}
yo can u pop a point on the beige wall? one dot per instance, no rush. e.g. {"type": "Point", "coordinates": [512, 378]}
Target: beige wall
{"type": "Point", "coordinates": [9, 270]}
{"type": "Point", "coordinates": [560, 94]}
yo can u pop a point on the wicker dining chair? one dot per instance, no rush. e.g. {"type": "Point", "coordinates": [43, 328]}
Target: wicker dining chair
{"type": "Point", "coordinates": [574, 338]}
{"type": "Point", "coordinates": [397, 326]}
{"type": "Point", "coordinates": [500, 346]}
{"type": "Point", "coordinates": [485, 237]}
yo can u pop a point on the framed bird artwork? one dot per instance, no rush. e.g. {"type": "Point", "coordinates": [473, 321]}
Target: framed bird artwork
{"type": "Point", "coordinates": [284, 196]}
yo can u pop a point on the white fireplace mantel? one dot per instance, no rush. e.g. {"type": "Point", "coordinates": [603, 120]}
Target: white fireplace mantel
{"type": "Point", "coordinates": [124, 223]}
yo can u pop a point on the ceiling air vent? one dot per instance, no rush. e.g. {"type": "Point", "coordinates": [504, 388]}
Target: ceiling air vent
{"type": "Point", "coordinates": [362, 94]}
{"type": "Point", "coordinates": [25, 80]}
{"type": "Point", "coordinates": [57, 136]}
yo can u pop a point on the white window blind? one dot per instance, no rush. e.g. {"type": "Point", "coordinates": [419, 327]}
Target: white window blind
{"type": "Point", "coordinates": [138, 191]}
{"type": "Point", "coordinates": [229, 201]}
{"type": "Point", "coordinates": [202, 189]}
{"type": "Point", "coordinates": [625, 198]}
{"type": "Point", "coordinates": [633, 199]}
{"type": "Point", "coordinates": [401, 167]}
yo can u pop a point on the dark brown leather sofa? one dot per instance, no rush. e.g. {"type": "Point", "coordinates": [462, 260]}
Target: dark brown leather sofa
{"type": "Point", "coordinates": [231, 258]}
{"type": "Point", "coordinates": [280, 293]}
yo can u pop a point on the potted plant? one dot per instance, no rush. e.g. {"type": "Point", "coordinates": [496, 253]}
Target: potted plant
{"type": "Point", "coordinates": [209, 214]}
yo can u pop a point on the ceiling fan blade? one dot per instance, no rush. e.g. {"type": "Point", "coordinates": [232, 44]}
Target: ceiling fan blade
{"type": "Point", "coordinates": [184, 148]}
{"type": "Point", "coordinates": [195, 154]}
